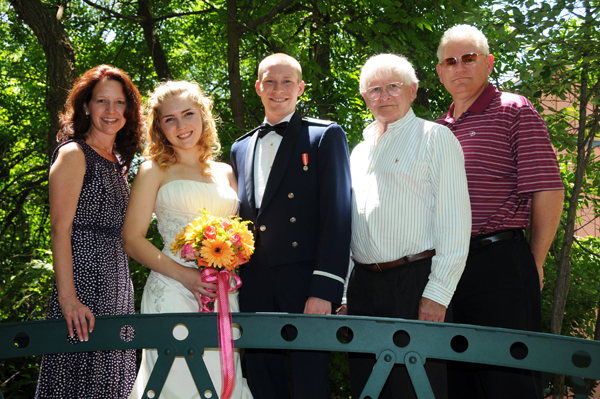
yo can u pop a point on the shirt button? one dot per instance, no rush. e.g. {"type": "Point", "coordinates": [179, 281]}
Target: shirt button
{"type": "Point", "coordinates": [263, 227]}
{"type": "Point", "coordinates": [291, 195]}
{"type": "Point", "coordinates": [294, 244]}
{"type": "Point", "coordinates": [293, 220]}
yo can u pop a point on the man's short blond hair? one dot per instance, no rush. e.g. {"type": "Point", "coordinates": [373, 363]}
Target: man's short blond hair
{"type": "Point", "coordinates": [463, 32]}
{"type": "Point", "coordinates": [279, 58]}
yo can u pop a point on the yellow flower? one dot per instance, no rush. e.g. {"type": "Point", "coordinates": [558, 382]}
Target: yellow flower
{"type": "Point", "coordinates": [217, 253]}
{"type": "Point", "coordinates": [178, 243]}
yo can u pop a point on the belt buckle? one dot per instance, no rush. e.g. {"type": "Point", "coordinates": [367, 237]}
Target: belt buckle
{"type": "Point", "coordinates": [379, 268]}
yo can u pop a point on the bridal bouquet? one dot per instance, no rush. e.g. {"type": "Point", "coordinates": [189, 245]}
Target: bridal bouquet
{"type": "Point", "coordinates": [219, 243]}
{"type": "Point", "coordinates": [219, 246]}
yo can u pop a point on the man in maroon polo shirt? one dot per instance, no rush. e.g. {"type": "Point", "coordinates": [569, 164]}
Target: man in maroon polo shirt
{"type": "Point", "coordinates": [514, 183]}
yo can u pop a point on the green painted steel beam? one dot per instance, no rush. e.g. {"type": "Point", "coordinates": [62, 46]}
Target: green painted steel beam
{"type": "Point", "coordinates": [392, 341]}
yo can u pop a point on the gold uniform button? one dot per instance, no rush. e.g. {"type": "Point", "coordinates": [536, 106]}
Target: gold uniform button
{"type": "Point", "coordinates": [263, 227]}
{"type": "Point", "coordinates": [291, 195]}
{"type": "Point", "coordinates": [294, 244]}
{"type": "Point", "coordinates": [293, 220]}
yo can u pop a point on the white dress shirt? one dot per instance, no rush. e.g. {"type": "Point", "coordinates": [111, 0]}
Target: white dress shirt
{"type": "Point", "coordinates": [266, 149]}
{"type": "Point", "coordinates": [410, 195]}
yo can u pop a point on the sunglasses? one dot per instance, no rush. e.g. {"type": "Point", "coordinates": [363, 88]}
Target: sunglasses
{"type": "Point", "coordinates": [466, 59]}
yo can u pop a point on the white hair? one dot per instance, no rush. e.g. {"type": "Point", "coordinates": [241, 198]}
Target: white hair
{"type": "Point", "coordinates": [385, 65]}
{"type": "Point", "coordinates": [463, 32]}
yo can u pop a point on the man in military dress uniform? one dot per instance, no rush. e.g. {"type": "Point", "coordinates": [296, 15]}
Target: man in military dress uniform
{"type": "Point", "coordinates": [294, 185]}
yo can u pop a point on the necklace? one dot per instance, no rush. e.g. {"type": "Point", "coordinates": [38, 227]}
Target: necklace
{"type": "Point", "coordinates": [100, 148]}
{"type": "Point", "coordinates": [110, 154]}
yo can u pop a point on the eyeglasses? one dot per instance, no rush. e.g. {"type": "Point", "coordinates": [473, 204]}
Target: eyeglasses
{"type": "Point", "coordinates": [466, 59]}
{"type": "Point", "coordinates": [393, 89]}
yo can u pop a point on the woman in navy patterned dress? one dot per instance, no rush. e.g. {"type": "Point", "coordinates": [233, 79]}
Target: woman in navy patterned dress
{"type": "Point", "coordinates": [88, 198]}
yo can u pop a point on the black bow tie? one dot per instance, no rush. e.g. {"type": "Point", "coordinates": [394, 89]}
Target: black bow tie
{"type": "Point", "coordinates": [266, 128]}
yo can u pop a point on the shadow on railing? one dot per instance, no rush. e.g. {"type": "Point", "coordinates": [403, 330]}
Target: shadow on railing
{"type": "Point", "coordinates": [391, 340]}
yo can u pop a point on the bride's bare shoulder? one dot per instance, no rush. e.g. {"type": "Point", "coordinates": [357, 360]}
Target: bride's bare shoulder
{"type": "Point", "coordinates": [223, 172]}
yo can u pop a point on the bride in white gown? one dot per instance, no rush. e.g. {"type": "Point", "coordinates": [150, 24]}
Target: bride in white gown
{"type": "Point", "coordinates": [177, 181]}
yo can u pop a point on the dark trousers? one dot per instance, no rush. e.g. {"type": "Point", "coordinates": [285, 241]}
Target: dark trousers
{"type": "Point", "coordinates": [281, 289]}
{"type": "Point", "coordinates": [393, 293]}
{"type": "Point", "coordinates": [499, 288]}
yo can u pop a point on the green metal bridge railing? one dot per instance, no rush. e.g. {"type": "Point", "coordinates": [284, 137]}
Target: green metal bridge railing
{"type": "Point", "coordinates": [391, 340]}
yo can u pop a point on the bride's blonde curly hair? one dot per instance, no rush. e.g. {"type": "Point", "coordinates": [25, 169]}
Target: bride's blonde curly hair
{"type": "Point", "coordinates": [159, 149]}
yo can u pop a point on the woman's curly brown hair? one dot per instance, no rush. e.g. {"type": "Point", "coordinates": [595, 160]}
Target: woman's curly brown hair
{"type": "Point", "coordinates": [75, 124]}
{"type": "Point", "coordinates": [159, 149]}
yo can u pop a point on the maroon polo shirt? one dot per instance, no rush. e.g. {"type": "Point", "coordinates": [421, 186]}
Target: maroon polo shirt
{"type": "Point", "coordinates": [508, 157]}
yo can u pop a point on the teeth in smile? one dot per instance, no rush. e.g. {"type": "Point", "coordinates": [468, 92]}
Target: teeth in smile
{"type": "Point", "coordinates": [109, 120]}
{"type": "Point", "coordinates": [278, 99]}
{"type": "Point", "coordinates": [185, 135]}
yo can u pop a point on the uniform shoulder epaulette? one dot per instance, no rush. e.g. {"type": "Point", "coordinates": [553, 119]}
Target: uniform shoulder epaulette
{"type": "Point", "coordinates": [318, 121]}
{"type": "Point", "coordinates": [250, 133]}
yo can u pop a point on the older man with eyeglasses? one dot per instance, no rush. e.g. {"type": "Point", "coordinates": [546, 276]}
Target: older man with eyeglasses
{"type": "Point", "coordinates": [514, 182]}
{"type": "Point", "coordinates": [410, 217]}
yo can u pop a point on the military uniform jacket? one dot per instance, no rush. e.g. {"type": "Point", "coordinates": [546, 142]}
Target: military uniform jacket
{"type": "Point", "coordinates": [305, 213]}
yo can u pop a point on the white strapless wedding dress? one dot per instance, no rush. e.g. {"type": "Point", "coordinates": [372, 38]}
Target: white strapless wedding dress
{"type": "Point", "coordinates": [178, 203]}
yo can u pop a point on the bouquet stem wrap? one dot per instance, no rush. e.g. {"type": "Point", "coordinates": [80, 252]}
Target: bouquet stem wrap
{"type": "Point", "coordinates": [224, 286]}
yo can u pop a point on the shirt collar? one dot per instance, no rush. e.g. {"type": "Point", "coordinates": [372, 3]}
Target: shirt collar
{"type": "Point", "coordinates": [480, 105]}
{"type": "Point", "coordinates": [393, 128]}
{"type": "Point", "coordinates": [484, 99]}
{"type": "Point", "coordinates": [285, 119]}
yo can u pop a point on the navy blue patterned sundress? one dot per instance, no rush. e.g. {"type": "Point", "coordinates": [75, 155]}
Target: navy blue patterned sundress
{"type": "Point", "coordinates": [102, 283]}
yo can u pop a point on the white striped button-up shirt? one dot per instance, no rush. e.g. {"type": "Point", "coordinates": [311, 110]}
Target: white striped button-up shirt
{"type": "Point", "coordinates": [410, 195]}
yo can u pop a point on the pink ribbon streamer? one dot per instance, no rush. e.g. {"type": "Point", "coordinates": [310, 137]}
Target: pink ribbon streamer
{"type": "Point", "coordinates": [222, 279]}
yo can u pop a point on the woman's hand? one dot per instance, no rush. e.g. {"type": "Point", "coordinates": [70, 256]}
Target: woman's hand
{"type": "Point", "coordinates": [191, 279]}
{"type": "Point", "coordinates": [78, 316]}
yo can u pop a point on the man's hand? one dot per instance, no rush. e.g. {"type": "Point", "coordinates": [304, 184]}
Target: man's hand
{"type": "Point", "coordinates": [317, 306]}
{"type": "Point", "coordinates": [431, 311]}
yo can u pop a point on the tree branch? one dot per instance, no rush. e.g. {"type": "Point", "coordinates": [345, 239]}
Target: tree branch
{"type": "Point", "coordinates": [274, 11]}
{"type": "Point", "coordinates": [585, 249]}
{"type": "Point", "coordinates": [138, 20]}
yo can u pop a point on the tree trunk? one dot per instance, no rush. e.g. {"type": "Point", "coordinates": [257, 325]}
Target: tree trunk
{"type": "Point", "coordinates": [60, 58]}
{"type": "Point", "coordinates": [563, 277]}
{"type": "Point", "coordinates": [233, 66]}
{"type": "Point", "coordinates": [322, 85]}
{"type": "Point", "coordinates": [591, 384]}
{"type": "Point", "coordinates": [153, 41]}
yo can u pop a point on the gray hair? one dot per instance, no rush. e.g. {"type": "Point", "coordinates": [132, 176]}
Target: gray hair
{"type": "Point", "coordinates": [387, 64]}
{"type": "Point", "coordinates": [463, 32]}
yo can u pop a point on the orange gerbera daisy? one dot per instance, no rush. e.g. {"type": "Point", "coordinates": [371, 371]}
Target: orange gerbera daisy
{"type": "Point", "coordinates": [217, 253]}
{"type": "Point", "coordinates": [247, 241]}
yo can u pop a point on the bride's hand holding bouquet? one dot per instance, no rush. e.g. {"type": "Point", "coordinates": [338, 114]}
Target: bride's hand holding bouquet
{"type": "Point", "coordinates": [218, 246]}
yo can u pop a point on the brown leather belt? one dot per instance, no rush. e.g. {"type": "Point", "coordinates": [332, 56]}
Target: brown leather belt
{"type": "Point", "coordinates": [379, 267]}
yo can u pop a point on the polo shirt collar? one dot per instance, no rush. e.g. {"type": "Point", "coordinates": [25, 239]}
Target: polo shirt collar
{"type": "Point", "coordinates": [484, 99]}
{"type": "Point", "coordinates": [480, 105]}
